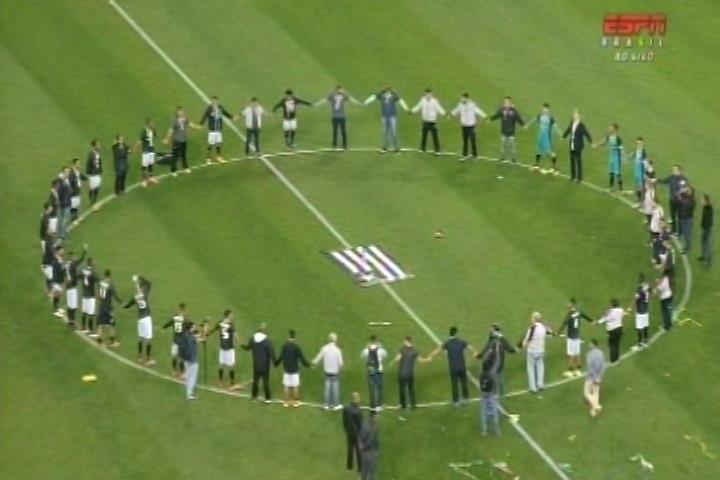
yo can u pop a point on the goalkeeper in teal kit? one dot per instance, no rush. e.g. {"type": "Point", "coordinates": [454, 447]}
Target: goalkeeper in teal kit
{"type": "Point", "coordinates": [546, 126]}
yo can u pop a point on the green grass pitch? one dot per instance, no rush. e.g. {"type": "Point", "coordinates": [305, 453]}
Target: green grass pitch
{"type": "Point", "coordinates": [234, 236]}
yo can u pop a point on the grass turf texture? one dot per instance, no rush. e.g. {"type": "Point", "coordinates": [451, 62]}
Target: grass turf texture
{"type": "Point", "coordinates": [83, 73]}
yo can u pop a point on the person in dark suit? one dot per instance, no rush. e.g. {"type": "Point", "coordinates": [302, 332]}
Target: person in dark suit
{"type": "Point", "coordinates": [263, 358]}
{"type": "Point", "coordinates": [578, 133]}
{"type": "Point", "coordinates": [352, 418]}
{"type": "Point", "coordinates": [369, 444]}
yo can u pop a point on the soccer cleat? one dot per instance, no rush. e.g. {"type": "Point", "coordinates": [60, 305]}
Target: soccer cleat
{"type": "Point", "coordinates": [337, 408]}
{"type": "Point", "coordinates": [96, 208]}
{"type": "Point", "coordinates": [286, 404]}
{"type": "Point", "coordinates": [296, 403]}
{"type": "Point", "coordinates": [567, 373]}
{"type": "Point", "coordinates": [145, 183]}
{"type": "Point", "coordinates": [578, 373]}
{"type": "Point", "coordinates": [150, 362]}
{"type": "Point", "coordinates": [267, 401]}
{"type": "Point", "coordinates": [174, 174]}
{"type": "Point", "coordinates": [114, 344]}
{"type": "Point", "coordinates": [234, 387]}
{"type": "Point", "coordinates": [209, 161]}
{"type": "Point", "coordinates": [326, 408]}
{"type": "Point", "coordinates": [141, 360]}
{"type": "Point", "coordinates": [221, 159]}
{"type": "Point", "coordinates": [187, 170]}
{"type": "Point", "coordinates": [192, 397]}
{"type": "Point", "coordinates": [536, 168]}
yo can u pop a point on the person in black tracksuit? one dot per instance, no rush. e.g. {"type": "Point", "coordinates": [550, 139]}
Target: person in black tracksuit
{"type": "Point", "coordinates": [120, 162]}
{"type": "Point", "coordinates": [706, 225]}
{"type": "Point", "coordinates": [263, 358]}
{"type": "Point", "coordinates": [352, 419]}
{"type": "Point", "coordinates": [493, 356]}
{"type": "Point", "coordinates": [677, 183]}
{"type": "Point", "coordinates": [291, 356]}
{"type": "Point", "coordinates": [578, 133]}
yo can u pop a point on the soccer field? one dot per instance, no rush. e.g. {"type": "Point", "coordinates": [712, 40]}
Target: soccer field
{"type": "Point", "coordinates": [255, 235]}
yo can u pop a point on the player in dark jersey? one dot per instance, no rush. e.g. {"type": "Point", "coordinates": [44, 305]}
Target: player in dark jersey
{"type": "Point", "coordinates": [89, 282]}
{"type": "Point", "coordinates": [289, 104]}
{"type": "Point", "coordinates": [71, 284]}
{"type": "Point", "coordinates": [226, 359]}
{"type": "Point", "coordinates": [141, 300]}
{"type": "Point", "coordinates": [572, 325]}
{"type": "Point", "coordinates": [146, 144]}
{"type": "Point", "coordinates": [177, 322]}
{"type": "Point", "coordinates": [57, 279]}
{"type": "Point", "coordinates": [642, 312]}
{"type": "Point", "coordinates": [214, 114]}
{"type": "Point", "coordinates": [76, 177]}
{"type": "Point", "coordinates": [106, 321]}
{"type": "Point", "coordinates": [93, 170]}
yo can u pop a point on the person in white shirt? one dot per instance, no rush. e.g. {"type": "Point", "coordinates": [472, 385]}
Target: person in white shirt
{"type": "Point", "coordinates": [332, 359]}
{"type": "Point", "coordinates": [374, 355]}
{"type": "Point", "coordinates": [468, 112]}
{"type": "Point", "coordinates": [613, 324]}
{"type": "Point", "coordinates": [429, 109]}
{"type": "Point", "coordinates": [252, 114]}
{"type": "Point", "coordinates": [534, 345]}
{"type": "Point", "coordinates": [664, 292]}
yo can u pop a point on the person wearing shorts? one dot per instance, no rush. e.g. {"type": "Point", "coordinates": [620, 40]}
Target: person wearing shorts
{"type": "Point", "coordinates": [289, 104]}
{"type": "Point", "coordinates": [177, 322]}
{"type": "Point", "coordinates": [93, 171]}
{"type": "Point", "coordinates": [141, 300]}
{"type": "Point", "coordinates": [106, 320]}
{"type": "Point", "coordinates": [88, 282]}
{"type": "Point", "coordinates": [146, 142]}
{"type": "Point", "coordinates": [291, 356]}
{"type": "Point", "coordinates": [214, 114]}
{"type": "Point", "coordinates": [642, 312]}
{"type": "Point", "coordinates": [70, 268]}
{"type": "Point", "coordinates": [226, 352]}
{"type": "Point", "coordinates": [571, 325]}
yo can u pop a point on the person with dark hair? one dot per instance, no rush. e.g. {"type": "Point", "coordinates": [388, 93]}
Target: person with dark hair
{"type": "Point", "coordinates": [64, 191]}
{"type": "Point", "coordinates": [56, 278]}
{"type": "Point", "coordinates": [106, 319]}
{"type": "Point", "coordinates": [676, 182]}
{"type": "Point", "coordinates": [89, 283]}
{"type": "Point", "coordinates": [291, 356]}
{"type": "Point", "coordinates": [663, 289]}
{"type": "Point", "coordinates": [76, 177]}
{"type": "Point", "coordinates": [263, 355]}
{"type": "Point", "coordinates": [595, 362]}
{"type": "Point", "coordinates": [214, 114]}
{"type": "Point", "coordinates": [93, 170]}
{"type": "Point", "coordinates": [455, 348]}
{"type": "Point", "coordinates": [613, 323]}
{"type": "Point", "coordinates": [492, 356]}
{"type": "Point", "coordinates": [374, 355]}
{"type": "Point", "coordinates": [337, 100]}
{"type": "Point", "coordinates": [509, 119]}
{"type": "Point", "coordinates": [369, 446]}
{"type": "Point", "coordinates": [177, 322]}
{"type": "Point", "coordinates": [71, 284]}
{"type": "Point", "coordinates": [706, 224]}
{"type": "Point", "coordinates": [642, 312]}
{"type": "Point", "coordinates": [252, 114]}
{"type": "Point", "coordinates": [640, 160]}
{"type": "Point", "coordinates": [430, 109]}
{"type": "Point", "coordinates": [577, 133]}
{"type": "Point", "coordinates": [686, 213]}
{"type": "Point", "coordinates": [572, 323]}
{"type": "Point", "coordinates": [121, 151]}
{"type": "Point", "coordinates": [178, 133]}
{"type": "Point", "coordinates": [352, 419]}
{"type": "Point", "coordinates": [406, 357]}
{"type": "Point", "coordinates": [187, 351]}
{"type": "Point", "coordinates": [146, 144]}
{"type": "Point", "coordinates": [141, 300]}
{"type": "Point", "coordinates": [389, 99]}
{"type": "Point", "coordinates": [489, 404]}
{"type": "Point", "coordinates": [226, 352]}
{"type": "Point", "coordinates": [289, 104]}
{"type": "Point", "coordinates": [615, 156]}
{"type": "Point", "coordinates": [546, 127]}
{"type": "Point", "coordinates": [469, 113]}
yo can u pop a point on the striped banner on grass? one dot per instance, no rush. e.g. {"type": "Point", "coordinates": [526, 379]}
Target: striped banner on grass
{"type": "Point", "coordinates": [369, 265]}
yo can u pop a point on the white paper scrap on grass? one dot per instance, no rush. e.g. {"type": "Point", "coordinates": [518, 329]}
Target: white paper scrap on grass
{"type": "Point", "coordinates": [369, 265]}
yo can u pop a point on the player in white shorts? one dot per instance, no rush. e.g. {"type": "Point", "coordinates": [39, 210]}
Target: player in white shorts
{"type": "Point", "coordinates": [214, 114]}
{"type": "Point", "coordinates": [141, 300]}
{"type": "Point", "coordinates": [226, 355]}
{"type": "Point", "coordinates": [93, 171]}
{"type": "Point", "coordinates": [72, 276]}
{"type": "Point", "coordinates": [289, 104]}
{"type": "Point", "coordinates": [642, 312]}
{"type": "Point", "coordinates": [146, 142]}
{"type": "Point", "coordinates": [89, 282]}
{"type": "Point", "coordinates": [572, 325]}
{"type": "Point", "coordinates": [177, 322]}
{"type": "Point", "coordinates": [291, 357]}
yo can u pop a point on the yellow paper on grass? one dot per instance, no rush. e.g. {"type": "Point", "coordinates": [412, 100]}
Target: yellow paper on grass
{"type": "Point", "coordinates": [89, 378]}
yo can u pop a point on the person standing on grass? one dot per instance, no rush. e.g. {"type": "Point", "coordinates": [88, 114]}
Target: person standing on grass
{"type": "Point", "coordinates": [370, 446]}
{"type": "Point", "coordinates": [493, 356]}
{"type": "Point", "coordinates": [178, 133]}
{"type": "Point", "coordinates": [332, 359]}
{"type": "Point", "coordinates": [676, 182]}
{"type": "Point", "coordinates": [642, 312]}
{"type": "Point", "coordinates": [263, 358]}
{"type": "Point", "coordinates": [352, 419]}
{"type": "Point", "coordinates": [64, 202]}
{"type": "Point", "coordinates": [226, 354]}
{"type": "Point", "coordinates": [253, 114]}
{"type": "Point", "coordinates": [595, 362]}
{"type": "Point", "coordinates": [663, 290]}
{"type": "Point", "coordinates": [407, 357]}
{"type": "Point", "coordinates": [572, 324]}
{"type": "Point", "coordinates": [177, 322]}
{"type": "Point", "coordinates": [289, 105]}
{"type": "Point", "coordinates": [706, 224]}
{"type": "Point", "coordinates": [686, 212]}
{"type": "Point", "coordinates": [613, 323]}
{"type": "Point", "coordinates": [455, 348]}
{"type": "Point", "coordinates": [120, 161]}
{"type": "Point", "coordinates": [639, 157]}
{"type": "Point", "coordinates": [374, 355]}
{"type": "Point", "coordinates": [188, 354]}
{"type": "Point", "coordinates": [214, 114]}
{"type": "Point", "coordinates": [577, 133]}
{"type": "Point", "coordinates": [76, 178]}
{"type": "Point", "coordinates": [291, 356]}
{"type": "Point", "coordinates": [72, 275]}
{"type": "Point", "coordinates": [489, 404]}
{"type": "Point", "coordinates": [146, 143]}
{"type": "Point", "coordinates": [546, 127]}
{"type": "Point", "coordinates": [430, 109]}
{"type": "Point", "coordinates": [388, 99]}
{"type": "Point", "coordinates": [337, 100]}
{"type": "Point", "coordinates": [93, 170]}
{"type": "Point", "coordinates": [141, 300]}
{"type": "Point", "coordinates": [106, 319]}
{"type": "Point", "coordinates": [56, 279]}
{"type": "Point", "coordinates": [615, 156]}
{"type": "Point", "coordinates": [534, 345]}
{"type": "Point", "coordinates": [89, 282]}
{"type": "Point", "coordinates": [509, 119]}
{"type": "Point", "coordinates": [468, 112]}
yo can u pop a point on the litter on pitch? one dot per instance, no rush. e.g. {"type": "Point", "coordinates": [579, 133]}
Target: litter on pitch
{"type": "Point", "coordinates": [701, 444]}
{"type": "Point", "coordinates": [369, 265]}
{"type": "Point", "coordinates": [380, 324]}
{"type": "Point", "coordinates": [643, 463]}
{"type": "Point", "coordinates": [89, 378]}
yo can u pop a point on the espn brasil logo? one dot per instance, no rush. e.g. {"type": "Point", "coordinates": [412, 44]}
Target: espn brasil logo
{"type": "Point", "coordinates": [634, 37]}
